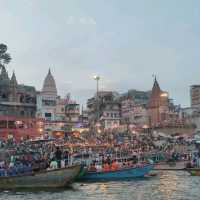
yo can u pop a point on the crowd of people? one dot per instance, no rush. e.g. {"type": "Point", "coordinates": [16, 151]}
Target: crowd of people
{"type": "Point", "coordinates": [30, 156]}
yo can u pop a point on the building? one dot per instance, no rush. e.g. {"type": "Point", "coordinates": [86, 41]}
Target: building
{"type": "Point", "coordinates": [83, 118]}
{"type": "Point", "coordinates": [133, 113]}
{"type": "Point", "coordinates": [17, 109]}
{"type": "Point", "coordinates": [47, 99]}
{"type": "Point", "coordinates": [16, 99]}
{"type": "Point", "coordinates": [161, 109]}
{"type": "Point", "coordinates": [72, 113]}
{"type": "Point", "coordinates": [60, 114]}
{"type": "Point", "coordinates": [104, 109]}
{"type": "Point", "coordinates": [139, 97]}
{"type": "Point", "coordinates": [60, 109]}
{"type": "Point", "coordinates": [195, 95]}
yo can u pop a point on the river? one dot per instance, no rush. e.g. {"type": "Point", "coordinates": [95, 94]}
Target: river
{"type": "Point", "coordinates": [167, 185]}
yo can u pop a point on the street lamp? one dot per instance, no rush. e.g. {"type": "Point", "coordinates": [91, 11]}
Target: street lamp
{"type": "Point", "coordinates": [97, 78]}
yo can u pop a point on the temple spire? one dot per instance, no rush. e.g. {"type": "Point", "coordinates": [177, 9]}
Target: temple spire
{"type": "Point", "coordinates": [156, 86]}
{"type": "Point", "coordinates": [4, 74]}
{"type": "Point", "coordinates": [155, 94]}
{"type": "Point", "coordinates": [49, 85]}
{"type": "Point", "coordinates": [13, 80]}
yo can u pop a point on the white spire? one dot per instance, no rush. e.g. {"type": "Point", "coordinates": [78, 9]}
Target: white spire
{"type": "Point", "coordinates": [49, 85]}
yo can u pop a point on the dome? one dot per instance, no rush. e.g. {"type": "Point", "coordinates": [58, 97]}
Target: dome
{"type": "Point", "coordinates": [49, 85]}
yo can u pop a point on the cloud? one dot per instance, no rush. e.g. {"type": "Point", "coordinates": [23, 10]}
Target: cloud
{"type": "Point", "coordinates": [71, 20]}
{"type": "Point", "coordinates": [87, 21]}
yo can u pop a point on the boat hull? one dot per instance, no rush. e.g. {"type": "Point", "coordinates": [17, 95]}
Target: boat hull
{"type": "Point", "coordinates": [47, 179]}
{"type": "Point", "coordinates": [193, 171]}
{"type": "Point", "coordinates": [171, 166]}
{"type": "Point", "coordinates": [130, 173]}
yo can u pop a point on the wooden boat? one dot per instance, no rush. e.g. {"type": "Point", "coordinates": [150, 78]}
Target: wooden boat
{"type": "Point", "coordinates": [193, 171]}
{"type": "Point", "coordinates": [126, 173]}
{"type": "Point", "coordinates": [180, 165]}
{"type": "Point", "coordinates": [45, 179]}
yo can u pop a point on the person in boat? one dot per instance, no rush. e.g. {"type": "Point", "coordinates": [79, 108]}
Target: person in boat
{"type": "Point", "coordinates": [99, 167]}
{"type": "Point", "coordinates": [58, 156]}
{"type": "Point", "coordinates": [106, 167]}
{"type": "Point", "coordinates": [53, 164]}
{"type": "Point", "coordinates": [108, 160]}
{"type": "Point", "coordinates": [93, 168]}
{"type": "Point", "coordinates": [66, 157]}
{"type": "Point", "coordinates": [114, 166]}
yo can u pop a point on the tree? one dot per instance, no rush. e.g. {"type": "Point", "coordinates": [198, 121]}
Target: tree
{"type": "Point", "coordinates": [5, 57]}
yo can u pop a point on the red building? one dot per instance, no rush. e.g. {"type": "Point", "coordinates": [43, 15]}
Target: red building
{"type": "Point", "coordinates": [158, 107]}
{"type": "Point", "coordinates": [20, 128]}
{"type": "Point", "coordinates": [161, 110]}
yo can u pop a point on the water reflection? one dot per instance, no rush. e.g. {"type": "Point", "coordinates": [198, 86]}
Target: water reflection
{"type": "Point", "coordinates": [166, 186]}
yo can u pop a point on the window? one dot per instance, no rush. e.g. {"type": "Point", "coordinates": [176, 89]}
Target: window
{"type": "Point", "coordinates": [4, 96]}
{"type": "Point", "coordinates": [11, 124]}
{"type": "Point", "coordinates": [48, 102]}
{"type": "Point", "coordinates": [3, 124]}
{"type": "Point", "coordinates": [48, 115]}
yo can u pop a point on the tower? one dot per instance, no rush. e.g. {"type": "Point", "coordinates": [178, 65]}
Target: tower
{"type": "Point", "coordinates": [158, 105]}
{"type": "Point", "coordinates": [13, 88]}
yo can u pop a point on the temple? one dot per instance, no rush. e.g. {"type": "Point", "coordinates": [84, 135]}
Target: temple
{"type": "Point", "coordinates": [16, 99]}
{"type": "Point", "coordinates": [17, 109]}
{"type": "Point", "coordinates": [158, 107]}
{"type": "Point", "coordinates": [46, 99]}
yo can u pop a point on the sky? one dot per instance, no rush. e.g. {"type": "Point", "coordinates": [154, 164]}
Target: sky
{"type": "Point", "coordinates": [124, 42]}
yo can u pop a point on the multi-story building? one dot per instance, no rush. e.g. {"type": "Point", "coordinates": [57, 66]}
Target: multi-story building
{"type": "Point", "coordinates": [72, 113]}
{"type": "Point", "coordinates": [17, 109]}
{"type": "Point", "coordinates": [83, 118]}
{"type": "Point", "coordinates": [60, 114]}
{"type": "Point", "coordinates": [139, 97]}
{"type": "Point", "coordinates": [133, 113]}
{"type": "Point", "coordinates": [104, 108]}
{"type": "Point", "coordinates": [195, 95]}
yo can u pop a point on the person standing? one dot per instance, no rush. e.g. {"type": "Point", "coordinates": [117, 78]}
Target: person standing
{"type": "Point", "coordinates": [58, 156]}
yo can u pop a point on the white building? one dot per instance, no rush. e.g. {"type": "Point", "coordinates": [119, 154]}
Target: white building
{"type": "Point", "coordinates": [47, 99]}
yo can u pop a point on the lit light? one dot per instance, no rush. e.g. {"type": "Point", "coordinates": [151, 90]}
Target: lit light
{"type": "Point", "coordinates": [164, 94]}
{"type": "Point", "coordinates": [145, 126]}
{"type": "Point", "coordinates": [99, 131]}
{"type": "Point", "coordinates": [40, 130]}
{"type": "Point", "coordinates": [18, 122]}
{"type": "Point", "coordinates": [96, 77]}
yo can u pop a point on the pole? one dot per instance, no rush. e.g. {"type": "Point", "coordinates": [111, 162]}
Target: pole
{"type": "Point", "coordinates": [97, 78]}
{"type": "Point", "coordinates": [97, 99]}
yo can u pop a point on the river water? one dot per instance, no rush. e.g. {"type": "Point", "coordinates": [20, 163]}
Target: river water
{"type": "Point", "coordinates": [167, 185]}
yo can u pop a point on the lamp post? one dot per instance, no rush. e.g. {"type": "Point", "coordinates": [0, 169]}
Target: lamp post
{"type": "Point", "coordinates": [97, 78]}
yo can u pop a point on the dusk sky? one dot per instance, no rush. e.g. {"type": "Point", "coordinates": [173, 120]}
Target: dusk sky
{"type": "Point", "coordinates": [123, 41]}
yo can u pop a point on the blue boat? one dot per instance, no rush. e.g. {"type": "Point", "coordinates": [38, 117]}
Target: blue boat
{"type": "Point", "coordinates": [126, 173]}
